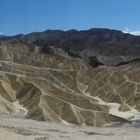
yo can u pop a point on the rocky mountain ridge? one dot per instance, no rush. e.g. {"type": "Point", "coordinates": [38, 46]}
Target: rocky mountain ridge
{"type": "Point", "coordinates": [108, 47]}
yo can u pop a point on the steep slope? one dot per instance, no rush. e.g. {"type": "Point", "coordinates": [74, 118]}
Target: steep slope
{"type": "Point", "coordinates": [57, 87]}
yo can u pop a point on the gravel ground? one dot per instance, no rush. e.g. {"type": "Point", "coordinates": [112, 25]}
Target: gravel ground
{"type": "Point", "coordinates": [19, 128]}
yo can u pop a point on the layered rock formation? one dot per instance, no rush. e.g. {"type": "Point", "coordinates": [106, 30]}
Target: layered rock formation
{"type": "Point", "coordinates": [61, 85]}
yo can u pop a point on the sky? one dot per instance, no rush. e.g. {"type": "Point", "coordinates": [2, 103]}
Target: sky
{"type": "Point", "coordinates": [25, 16]}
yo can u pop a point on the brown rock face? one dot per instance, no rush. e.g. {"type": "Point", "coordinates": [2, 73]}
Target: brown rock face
{"type": "Point", "coordinates": [60, 88]}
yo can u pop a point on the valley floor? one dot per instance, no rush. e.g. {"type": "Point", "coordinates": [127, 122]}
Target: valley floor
{"type": "Point", "coordinates": [18, 128]}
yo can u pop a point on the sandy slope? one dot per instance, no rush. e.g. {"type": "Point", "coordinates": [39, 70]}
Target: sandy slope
{"type": "Point", "coordinates": [17, 128]}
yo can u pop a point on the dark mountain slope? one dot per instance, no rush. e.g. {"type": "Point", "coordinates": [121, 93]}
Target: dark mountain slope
{"type": "Point", "coordinates": [109, 47]}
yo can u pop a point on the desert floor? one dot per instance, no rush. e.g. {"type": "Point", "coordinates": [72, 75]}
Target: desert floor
{"type": "Point", "coordinates": [18, 128]}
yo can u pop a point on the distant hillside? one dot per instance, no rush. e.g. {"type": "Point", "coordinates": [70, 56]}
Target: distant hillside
{"type": "Point", "coordinates": [96, 46]}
